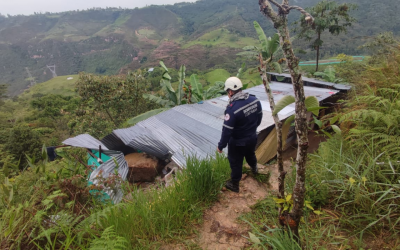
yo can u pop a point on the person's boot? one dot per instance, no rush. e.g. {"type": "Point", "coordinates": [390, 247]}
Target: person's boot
{"type": "Point", "coordinates": [254, 170]}
{"type": "Point", "coordinates": [232, 185]}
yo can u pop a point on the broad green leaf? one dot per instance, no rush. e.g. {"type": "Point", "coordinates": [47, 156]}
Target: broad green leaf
{"type": "Point", "coordinates": [336, 129]}
{"type": "Point", "coordinates": [334, 119]}
{"type": "Point", "coordinates": [145, 116]}
{"type": "Point", "coordinates": [181, 74]}
{"type": "Point", "coordinates": [277, 67]}
{"type": "Point", "coordinates": [312, 109]}
{"type": "Point", "coordinates": [285, 207]}
{"type": "Point", "coordinates": [279, 201]}
{"type": "Point", "coordinates": [167, 85]}
{"type": "Point", "coordinates": [262, 38]}
{"type": "Point", "coordinates": [280, 78]}
{"type": "Point", "coordinates": [197, 88]}
{"type": "Point", "coordinates": [288, 197]}
{"type": "Point", "coordinates": [254, 239]}
{"type": "Point", "coordinates": [318, 122]}
{"type": "Point", "coordinates": [282, 103]}
{"type": "Point", "coordinates": [166, 76]}
{"type": "Point", "coordinates": [163, 65]}
{"type": "Point", "coordinates": [321, 74]}
{"type": "Point", "coordinates": [309, 206]}
{"type": "Point", "coordinates": [289, 120]}
{"type": "Point", "coordinates": [240, 70]}
{"type": "Point", "coordinates": [273, 44]}
{"type": "Point", "coordinates": [158, 100]}
{"type": "Point", "coordinates": [170, 92]}
{"type": "Point", "coordinates": [326, 133]}
{"type": "Point", "coordinates": [312, 101]}
{"type": "Point", "coordinates": [250, 47]}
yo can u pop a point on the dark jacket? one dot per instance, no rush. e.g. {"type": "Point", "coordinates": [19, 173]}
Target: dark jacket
{"type": "Point", "coordinates": [242, 118]}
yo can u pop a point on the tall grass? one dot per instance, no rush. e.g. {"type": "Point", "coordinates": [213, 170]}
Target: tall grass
{"type": "Point", "coordinates": [362, 183]}
{"type": "Point", "coordinates": [268, 234]}
{"type": "Point", "coordinates": [163, 213]}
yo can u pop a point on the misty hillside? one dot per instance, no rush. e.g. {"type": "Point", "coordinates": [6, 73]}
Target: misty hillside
{"type": "Point", "coordinates": [201, 35]}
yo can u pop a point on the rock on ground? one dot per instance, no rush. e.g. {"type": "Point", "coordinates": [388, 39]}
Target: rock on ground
{"type": "Point", "coordinates": [142, 167]}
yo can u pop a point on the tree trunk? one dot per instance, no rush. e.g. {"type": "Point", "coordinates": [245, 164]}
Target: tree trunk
{"type": "Point", "coordinates": [278, 128]}
{"type": "Point", "coordinates": [319, 39]}
{"type": "Point", "coordinates": [280, 23]}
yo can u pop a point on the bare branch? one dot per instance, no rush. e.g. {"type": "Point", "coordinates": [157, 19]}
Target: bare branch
{"type": "Point", "coordinates": [266, 10]}
{"type": "Point", "coordinates": [309, 18]}
{"type": "Point", "coordinates": [275, 3]}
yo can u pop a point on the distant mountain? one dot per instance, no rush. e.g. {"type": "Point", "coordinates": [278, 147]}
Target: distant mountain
{"type": "Point", "coordinates": [201, 35]}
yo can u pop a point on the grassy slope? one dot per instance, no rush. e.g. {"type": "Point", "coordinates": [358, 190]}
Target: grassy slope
{"type": "Point", "coordinates": [222, 37]}
{"type": "Point", "coordinates": [217, 75]}
{"type": "Point", "coordinates": [58, 86]}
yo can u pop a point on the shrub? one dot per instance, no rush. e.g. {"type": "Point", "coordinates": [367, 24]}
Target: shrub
{"type": "Point", "coordinates": [23, 141]}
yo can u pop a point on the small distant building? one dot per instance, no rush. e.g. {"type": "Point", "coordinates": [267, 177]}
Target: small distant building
{"type": "Point", "coordinates": [70, 78]}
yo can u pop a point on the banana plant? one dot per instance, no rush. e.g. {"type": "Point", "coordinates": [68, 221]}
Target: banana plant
{"type": "Point", "coordinates": [172, 98]}
{"type": "Point", "coordinates": [198, 94]}
{"type": "Point", "coordinates": [311, 102]}
{"type": "Point", "coordinates": [329, 75]}
{"type": "Point", "coordinates": [266, 50]}
{"type": "Point", "coordinates": [265, 53]}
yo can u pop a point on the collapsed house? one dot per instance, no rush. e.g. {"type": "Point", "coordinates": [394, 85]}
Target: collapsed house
{"type": "Point", "coordinates": [194, 130]}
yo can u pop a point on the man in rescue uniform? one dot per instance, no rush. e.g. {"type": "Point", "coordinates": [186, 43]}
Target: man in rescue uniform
{"type": "Point", "coordinates": [242, 117]}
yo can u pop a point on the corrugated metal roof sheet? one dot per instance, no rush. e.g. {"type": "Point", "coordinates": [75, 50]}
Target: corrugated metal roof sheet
{"type": "Point", "coordinates": [108, 168]}
{"type": "Point", "coordinates": [85, 141]}
{"type": "Point", "coordinates": [316, 82]}
{"type": "Point", "coordinates": [195, 129]}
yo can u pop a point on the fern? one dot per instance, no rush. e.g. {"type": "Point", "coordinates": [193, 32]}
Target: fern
{"type": "Point", "coordinates": [377, 118]}
{"type": "Point", "coordinates": [109, 240]}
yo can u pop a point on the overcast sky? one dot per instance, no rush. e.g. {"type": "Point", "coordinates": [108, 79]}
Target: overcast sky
{"type": "Point", "coordinates": [27, 7]}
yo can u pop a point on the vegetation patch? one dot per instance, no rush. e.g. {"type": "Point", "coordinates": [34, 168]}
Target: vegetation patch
{"type": "Point", "coordinates": [222, 37]}
{"type": "Point", "coordinates": [146, 32]}
{"type": "Point", "coordinates": [60, 85]}
{"type": "Point", "coordinates": [217, 75]}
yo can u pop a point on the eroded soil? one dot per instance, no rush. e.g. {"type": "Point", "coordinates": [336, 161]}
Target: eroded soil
{"type": "Point", "coordinates": [221, 228]}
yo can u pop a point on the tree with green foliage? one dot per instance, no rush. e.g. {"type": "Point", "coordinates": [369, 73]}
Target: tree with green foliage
{"type": "Point", "coordinates": [328, 15]}
{"type": "Point", "coordinates": [3, 91]}
{"type": "Point", "coordinates": [54, 106]}
{"type": "Point", "coordinates": [23, 141]}
{"type": "Point", "coordinates": [108, 101]}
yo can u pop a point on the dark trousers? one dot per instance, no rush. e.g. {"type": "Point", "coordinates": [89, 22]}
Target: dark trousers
{"type": "Point", "coordinates": [236, 154]}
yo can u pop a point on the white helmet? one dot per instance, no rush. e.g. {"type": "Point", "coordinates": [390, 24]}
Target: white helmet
{"type": "Point", "coordinates": [233, 83]}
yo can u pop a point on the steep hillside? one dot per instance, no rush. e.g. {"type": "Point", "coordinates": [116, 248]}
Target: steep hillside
{"type": "Point", "coordinates": [201, 35]}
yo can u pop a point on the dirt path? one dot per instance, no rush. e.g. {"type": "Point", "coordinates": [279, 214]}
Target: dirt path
{"type": "Point", "coordinates": [221, 228]}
